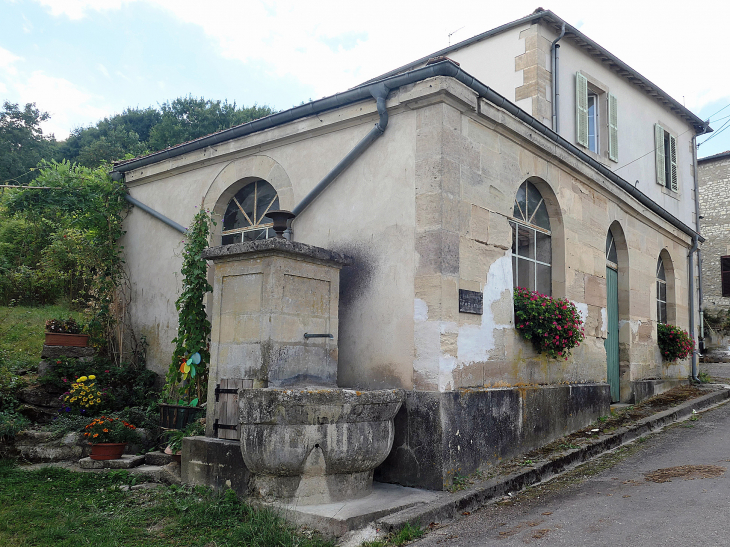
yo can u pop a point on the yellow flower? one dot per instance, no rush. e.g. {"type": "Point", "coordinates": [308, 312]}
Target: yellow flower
{"type": "Point", "coordinates": [83, 379]}
{"type": "Point", "coordinates": [98, 400]}
{"type": "Point", "coordinates": [92, 377]}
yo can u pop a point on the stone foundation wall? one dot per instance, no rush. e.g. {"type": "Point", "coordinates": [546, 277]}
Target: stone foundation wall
{"type": "Point", "coordinates": [439, 435]}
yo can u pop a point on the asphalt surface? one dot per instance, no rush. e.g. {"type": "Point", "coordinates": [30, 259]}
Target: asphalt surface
{"type": "Point", "coordinates": [611, 502]}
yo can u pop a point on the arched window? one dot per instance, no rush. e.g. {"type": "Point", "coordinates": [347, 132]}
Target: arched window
{"type": "Point", "coordinates": [661, 292]}
{"type": "Point", "coordinates": [531, 248]}
{"type": "Point", "coordinates": [245, 218]}
{"type": "Point", "coordinates": [611, 253]}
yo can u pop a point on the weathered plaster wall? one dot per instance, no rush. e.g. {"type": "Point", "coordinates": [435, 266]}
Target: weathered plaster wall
{"type": "Point", "coordinates": [637, 114]}
{"type": "Point", "coordinates": [375, 342]}
{"type": "Point", "coordinates": [714, 178]}
{"type": "Point", "coordinates": [471, 159]}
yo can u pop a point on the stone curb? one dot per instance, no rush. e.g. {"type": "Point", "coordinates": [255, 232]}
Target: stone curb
{"type": "Point", "coordinates": [452, 506]}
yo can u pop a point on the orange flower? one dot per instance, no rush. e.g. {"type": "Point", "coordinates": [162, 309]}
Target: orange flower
{"type": "Point", "coordinates": [106, 430]}
{"type": "Point", "coordinates": [96, 434]}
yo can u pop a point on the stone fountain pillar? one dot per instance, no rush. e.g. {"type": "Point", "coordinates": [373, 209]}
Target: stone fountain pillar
{"type": "Point", "coordinates": [274, 338]}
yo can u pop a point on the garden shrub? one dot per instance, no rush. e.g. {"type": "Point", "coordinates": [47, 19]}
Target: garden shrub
{"type": "Point", "coordinates": [11, 423]}
{"type": "Point", "coordinates": [121, 386]}
{"type": "Point", "coordinates": [674, 343]}
{"type": "Point", "coordinates": [553, 325]}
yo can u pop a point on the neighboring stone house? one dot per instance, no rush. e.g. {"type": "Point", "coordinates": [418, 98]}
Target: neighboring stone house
{"type": "Point", "coordinates": [714, 175]}
{"type": "Point", "coordinates": [471, 183]}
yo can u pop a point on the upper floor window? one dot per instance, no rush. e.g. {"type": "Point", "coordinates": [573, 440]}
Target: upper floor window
{"type": "Point", "coordinates": [531, 247]}
{"type": "Point", "coordinates": [665, 149]}
{"type": "Point", "coordinates": [593, 122]}
{"type": "Point", "coordinates": [245, 217]}
{"type": "Point", "coordinates": [725, 273]}
{"type": "Point", "coordinates": [661, 292]}
{"type": "Point", "coordinates": [596, 110]}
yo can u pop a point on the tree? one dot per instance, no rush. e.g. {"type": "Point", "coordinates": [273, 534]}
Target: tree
{"type": "Point", "coordinates": [110, 139]}
{"type": "Point", "coordinates": [22, 143]}
{"type": "Point", "coordinates": [188, 118]}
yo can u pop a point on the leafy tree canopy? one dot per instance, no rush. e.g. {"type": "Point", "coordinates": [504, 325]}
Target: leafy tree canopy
{"type": "Point", "coordinates": [188, 118]}
{"type": "Point", "coordinates": [22, 143]}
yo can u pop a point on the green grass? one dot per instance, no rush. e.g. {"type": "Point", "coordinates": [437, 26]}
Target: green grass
{"type": "Point", "coordinates": [22, 330]}
{"type": "Point", "coordinates": [60, 508]}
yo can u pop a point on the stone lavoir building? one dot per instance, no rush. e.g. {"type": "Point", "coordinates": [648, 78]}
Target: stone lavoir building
{"type": "Point", "coordinates": [714, 180]}
{"type": "Point", "coordinates": [513, 158]}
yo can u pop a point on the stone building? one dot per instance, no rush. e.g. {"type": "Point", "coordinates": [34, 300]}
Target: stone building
{"type": "Point", "coordinates": [510, 159]}
{"type": "Point", "coordinates": [714, 177]}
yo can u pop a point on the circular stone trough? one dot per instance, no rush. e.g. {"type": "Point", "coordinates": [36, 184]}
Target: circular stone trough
{"type": "Point", "coordinates": [315, 445]}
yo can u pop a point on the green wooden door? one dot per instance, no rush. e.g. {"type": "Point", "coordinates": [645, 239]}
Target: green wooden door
{"type": "Point", "coordinates": [611, 342]}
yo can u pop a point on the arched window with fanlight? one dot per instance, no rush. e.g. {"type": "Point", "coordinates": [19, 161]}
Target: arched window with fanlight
{"type": "Point", "coordinates": [661, 292]}
{"type": "Point", "coordinates": [245, 217]}
{"type": "Point", "coordinates": [531, 246]}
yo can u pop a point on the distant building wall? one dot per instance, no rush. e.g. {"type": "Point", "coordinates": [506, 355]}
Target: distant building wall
{"type": "Point", "coordinates": [715, 208]}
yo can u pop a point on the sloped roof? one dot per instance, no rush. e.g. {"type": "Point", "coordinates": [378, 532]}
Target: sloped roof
{"type": "Point", "coordinates": [718, 156]}
{"type": "Point", "coordinates": [582, 41]}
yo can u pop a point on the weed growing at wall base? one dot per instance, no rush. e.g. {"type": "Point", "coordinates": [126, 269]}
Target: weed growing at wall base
{"type": "Point", "coordinates": [553, 325]}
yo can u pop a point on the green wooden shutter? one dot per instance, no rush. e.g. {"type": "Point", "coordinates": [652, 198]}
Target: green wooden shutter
{"type": "Point", "coordinates": [673, 160]}
{"type": "Point", "coordinates": [659, 153]}
{"type": "Point", "coordinates": [581, 109]}
{"type": "Point", "coordinates": [612, 127]}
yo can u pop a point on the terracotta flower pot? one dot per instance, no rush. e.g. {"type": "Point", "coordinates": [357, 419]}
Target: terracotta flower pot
{"type": "Point", "coordinates": [107, 451]}
{"type": "Point", "coordinates": [62, 339]}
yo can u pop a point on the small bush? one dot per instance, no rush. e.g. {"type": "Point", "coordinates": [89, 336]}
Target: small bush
{"type": "Point", "coordinates": [552, 324]}
{"type": "Point", "coordinates": [674, 343]}
{"type": "Point", "coordinates": [122, 386]}
{"type": "Point", "coordinates": [11, 424]}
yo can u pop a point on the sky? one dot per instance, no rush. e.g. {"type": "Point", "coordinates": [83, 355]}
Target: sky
{"type": "Point", "coordinates": [82, 60]}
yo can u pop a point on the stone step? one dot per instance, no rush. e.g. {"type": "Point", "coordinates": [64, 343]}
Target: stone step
{"type": "Point", "coordinates": [125, 462]}
{"type": "Point", "coordinates": [157, 458]}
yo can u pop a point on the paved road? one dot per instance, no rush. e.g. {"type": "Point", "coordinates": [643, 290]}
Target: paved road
{"type": "Point", "coordinates": [617, 506]}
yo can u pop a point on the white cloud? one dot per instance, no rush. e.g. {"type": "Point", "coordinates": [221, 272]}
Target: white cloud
{"type": "Point", "coordinates": [77, 9]}
{"type": "Point", "coordinates": [7, 62]}
{"type": "Point", "coordinates": [330, 45]}
{"type": "Point", "coordinates": [67, 104]}
{"type": "Point", "coordinates": [103, 70]}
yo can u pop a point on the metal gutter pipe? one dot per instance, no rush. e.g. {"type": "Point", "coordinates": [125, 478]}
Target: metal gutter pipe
{"type": "Point", "coordinates": [692, 307]}
{"type": "Point", "coordinates": [159, 216]}
{"type": "Point", "coordinates": [380, 94]}
{"type": "Point", "coordinates": [700, 304]}
{"type": "Point", "coordinates": [443, 68]}
{"type": "Point", "coordinates": [554, 65]}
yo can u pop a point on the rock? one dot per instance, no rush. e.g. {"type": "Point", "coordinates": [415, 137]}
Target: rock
{"type": "Point", "coordinates": [56, 352]}
{"type": "Point", "coordinates": [157, 458]}
{"type": "Point", "coordinates": [39, 396]}
{"type": "Point", "coordinates": [38, 414]}
{"type": "Point", "coordinates": [41, 446]}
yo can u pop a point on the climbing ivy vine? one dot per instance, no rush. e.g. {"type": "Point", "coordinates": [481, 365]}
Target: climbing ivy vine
{"type": "Point", "coordinates": [186, 381]}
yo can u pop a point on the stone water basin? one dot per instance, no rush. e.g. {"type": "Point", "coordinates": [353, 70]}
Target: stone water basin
{"type": "Point", "coordinates": [315, 445]}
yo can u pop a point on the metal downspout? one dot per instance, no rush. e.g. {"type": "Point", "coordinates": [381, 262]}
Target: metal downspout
{"type": "Point", "coordinates": [380, 93]}
{"type": "Point", "coordinates": [700, 296]}
{"type": "Point", "coordinates": [554, 65]}
{"type": "Point", "coordinates": [159, 216]}
{"type": "Point", "coordinates": [692, 306]}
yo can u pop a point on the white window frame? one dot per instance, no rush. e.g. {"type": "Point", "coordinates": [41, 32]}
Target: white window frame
{"type": "Point", "coordinates": [603, 142]}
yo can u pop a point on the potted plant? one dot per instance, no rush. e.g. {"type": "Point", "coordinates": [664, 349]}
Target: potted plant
{"type": "Point", "coordinates": [674, 343]}
{"type": "Point", "coordinates": [176, 436]}
{"type": "Point", "coordinates": [109, 436]}
{"type": "Point", "coordinates": [60, 332]}
{"type": "Point", "coordinates": [186, 382]}
{"type": "Point", "coordinates": [553, 325]}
